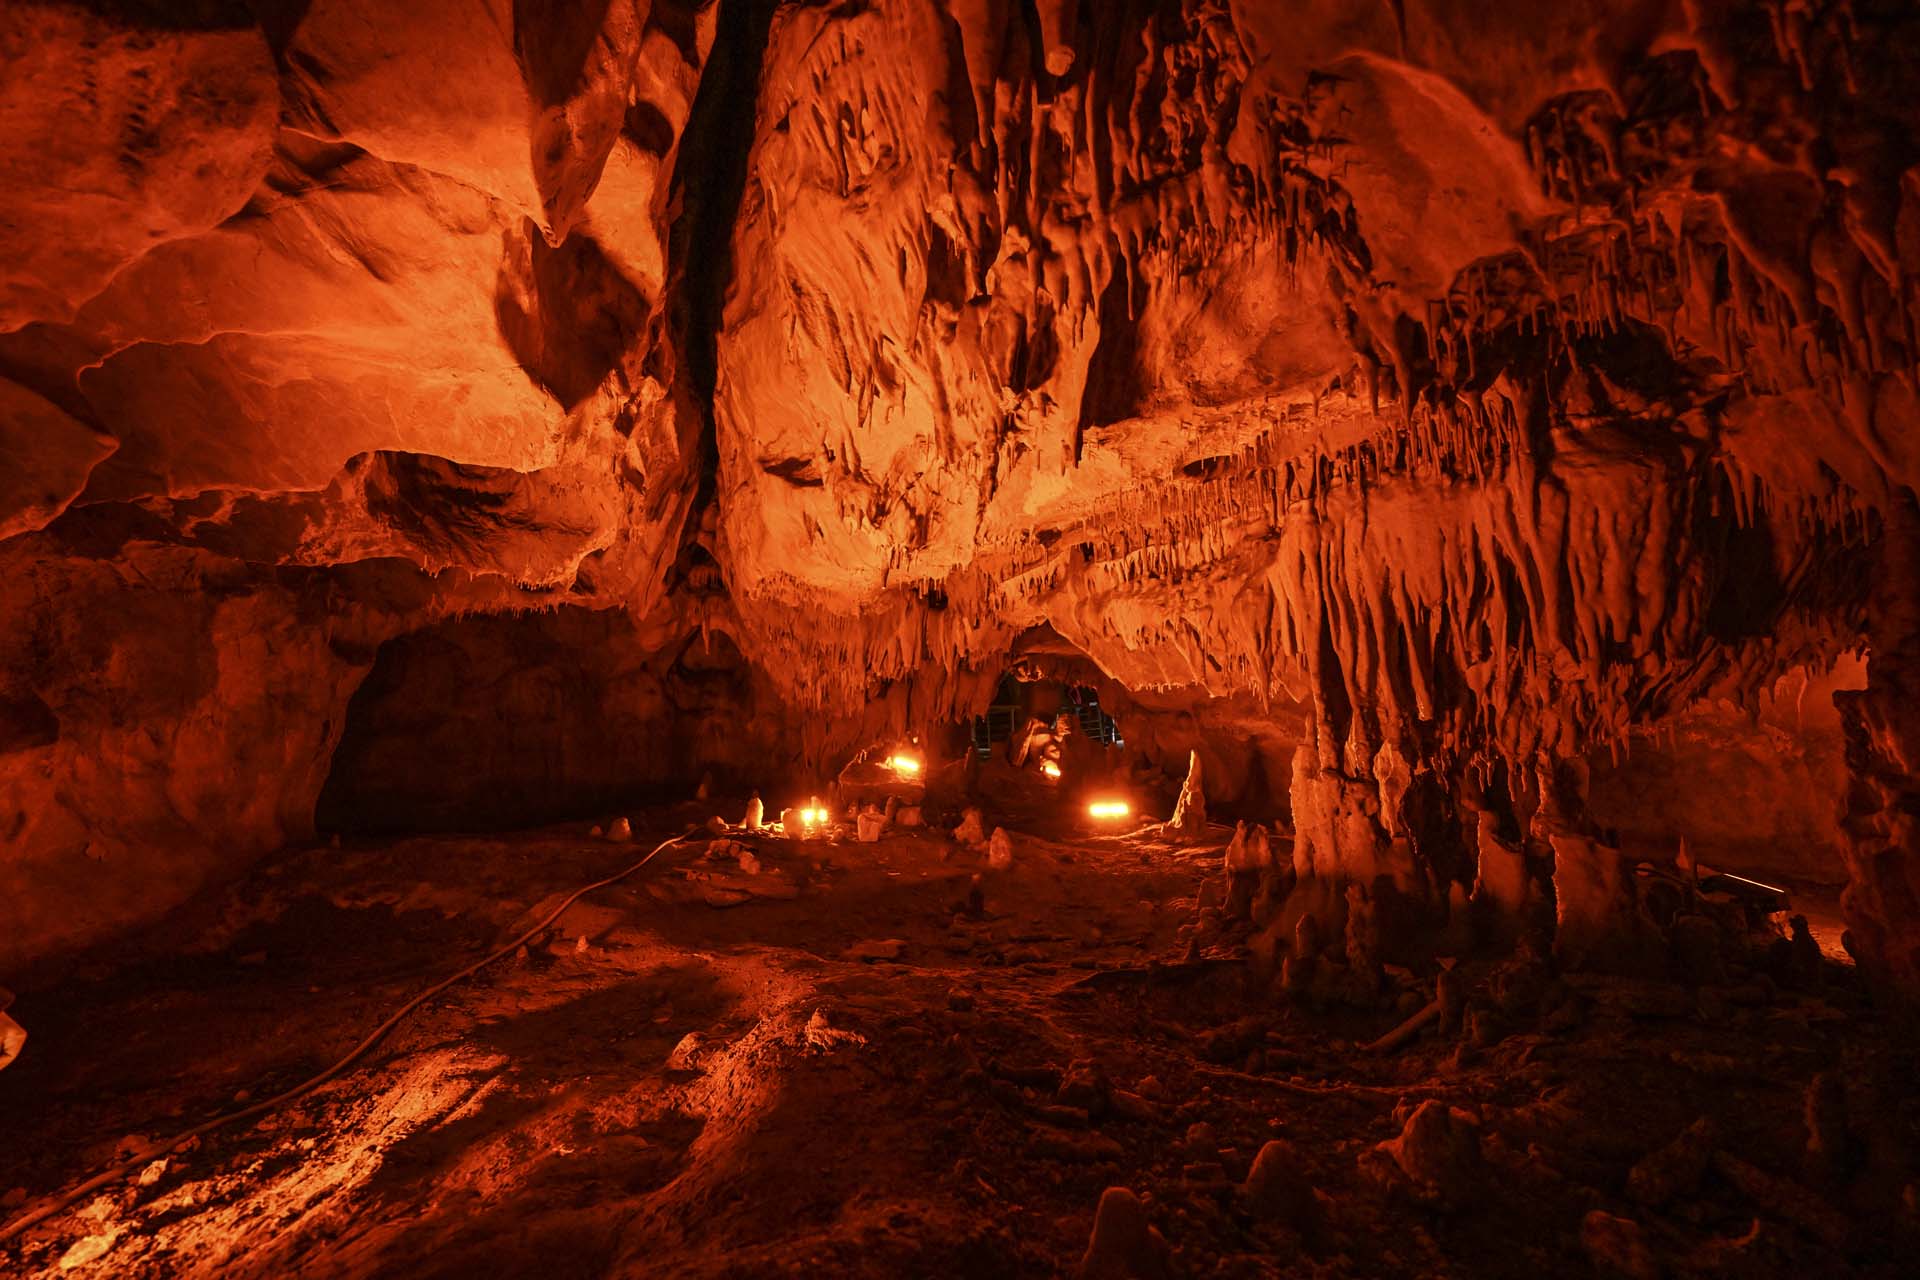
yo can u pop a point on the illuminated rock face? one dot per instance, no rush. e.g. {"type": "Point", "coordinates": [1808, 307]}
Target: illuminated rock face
{"type": "Point", "coordinates": [1444, 391]}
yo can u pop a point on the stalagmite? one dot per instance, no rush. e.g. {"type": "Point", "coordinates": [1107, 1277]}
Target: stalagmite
{"type": "Point", "coordinates": [1190, 810]}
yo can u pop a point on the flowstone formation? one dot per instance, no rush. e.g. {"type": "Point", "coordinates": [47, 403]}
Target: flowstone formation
{"type": "Point", "coordinates": [1394, 406]}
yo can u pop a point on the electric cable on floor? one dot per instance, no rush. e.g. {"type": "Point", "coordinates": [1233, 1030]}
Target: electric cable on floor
{"type": "Point", "coordinates": [50, 1207]}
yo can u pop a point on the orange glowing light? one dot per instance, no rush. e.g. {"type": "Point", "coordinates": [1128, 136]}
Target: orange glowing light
{"type": "Point", "coordinates": [1049, 768]}
{"type": "Point", "coordinates": [904, 764]}
{"type": "Point", "coordinates": [1108, 809]}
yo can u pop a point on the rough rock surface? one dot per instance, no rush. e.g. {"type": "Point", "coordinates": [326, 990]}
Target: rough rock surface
{"type": "Point", "coordinates": [1455, 390]}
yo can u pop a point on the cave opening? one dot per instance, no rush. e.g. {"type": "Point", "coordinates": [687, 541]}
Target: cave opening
{"type": "Point", "coordinates": [876, 638]}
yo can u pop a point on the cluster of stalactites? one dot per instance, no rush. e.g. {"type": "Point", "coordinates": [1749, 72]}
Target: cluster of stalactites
{"type": "Point", "coordinates": [1523, 557]}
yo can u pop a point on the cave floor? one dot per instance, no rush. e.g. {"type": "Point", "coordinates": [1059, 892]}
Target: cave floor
{"type": "Point", "coordinates": [845, 1071]}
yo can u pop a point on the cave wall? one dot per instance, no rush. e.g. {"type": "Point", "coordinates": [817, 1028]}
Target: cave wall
{"type": "Point", "coordinates": [492, 722]}
{"type": "Point", "coordinates": [1450, 391]}
{"type": "Point", "coordinates": [1759, 791]}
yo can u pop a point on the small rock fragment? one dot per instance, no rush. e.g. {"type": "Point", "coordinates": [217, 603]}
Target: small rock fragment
{"type": "Point", "coordinates": [821, 1036]}
{"type": "Point", "coordinates": [972, 829]}
{"type": "Point", "coordinates": [1278, 1192]}
{"type": "Point", "coordinates": [1437, 1153]}
{"type": "Point", "coordinates": [687, 1054]}
{"type": "Point", "coordinates": [1124, 1245]}
{"type": "Point", "coordinates": [871, 949]}
{"type": "Point", "coordinates": [1085, 1086]}
{"type": "Point", "coordinates": [1000, 850]}
{"type": "Point", "coordinates": [620, 831]}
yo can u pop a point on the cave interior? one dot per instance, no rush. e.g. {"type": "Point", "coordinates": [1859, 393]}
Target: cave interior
{"type": "Point", "coordinates": [1145, 639]}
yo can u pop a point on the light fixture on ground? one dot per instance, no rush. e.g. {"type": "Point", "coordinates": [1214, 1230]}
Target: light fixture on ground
{"type": "Point", "coordinates": [904, 765]}
{"type": "Point", "coordinates": [1108, 810]}
{"type": "Point", "coordinates": [1049, 768]}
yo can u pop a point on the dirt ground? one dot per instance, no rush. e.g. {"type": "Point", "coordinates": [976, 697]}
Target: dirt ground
{"type": "Point", "coordinates": [843, 1059]}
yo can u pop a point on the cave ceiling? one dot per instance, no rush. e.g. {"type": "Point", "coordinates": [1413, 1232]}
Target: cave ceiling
{"type": "Point", "coordinates": [1489, 376]}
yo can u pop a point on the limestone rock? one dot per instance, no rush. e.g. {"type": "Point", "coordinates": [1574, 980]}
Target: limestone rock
{"type": "Point", "coordinates": [972, 829]}
{"type": "Point", "coordinates": [1437, 1155]}
{"type": "Point", "coordinates": [1124, 1244]}
{"type": "Point", "coordinates": [1190, 810]}
{"type": "Point", "coordinates": [1278, 1191]}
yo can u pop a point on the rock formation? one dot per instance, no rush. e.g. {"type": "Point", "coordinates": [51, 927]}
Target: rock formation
{"type": "Point", "coordinates": [1398, 406]}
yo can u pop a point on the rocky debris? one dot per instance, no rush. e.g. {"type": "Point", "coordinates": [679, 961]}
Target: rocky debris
{"type": "Point", "coordinates": [972, 830]}
{"type": "Point", "coordinates": [689, 1053]}
{"type": "Point", "coordinates": [1085, 1086]}
{"type": "Point", "coordinates": [756, 814]}
{"type": "Point", "coordinates": [869, 823]}
{"type": "Point", "coordinates": [1000, 850]}
{"type": "Point", "coordinates": [619, 831]}
{"type": "Point", "coordinates": [1674, 1170]}
{"type": "Point", "coordinates": [1233, 1042]}
{"type": "Point", "coordinates": [1124, 1245]}
{"type": "Point", "coordinates": [871, 949]}
{"type": "Point", "coordinates": [1436, 1159]}
{"type": "Point", "coordinates": [820, 1036]}
{"type": "Point", "coordinates": [1618, 1246]}
{"type": "Point", "coordinates": [1277, 1191]}
{"type": "Point", "coordinates": [909, 818]}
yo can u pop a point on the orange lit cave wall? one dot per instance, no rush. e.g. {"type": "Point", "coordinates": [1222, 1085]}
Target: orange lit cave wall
{"type": "Point", "coordinates": [1433, 397]}
{"type": "Point", "coordinates": [1759, 790]}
